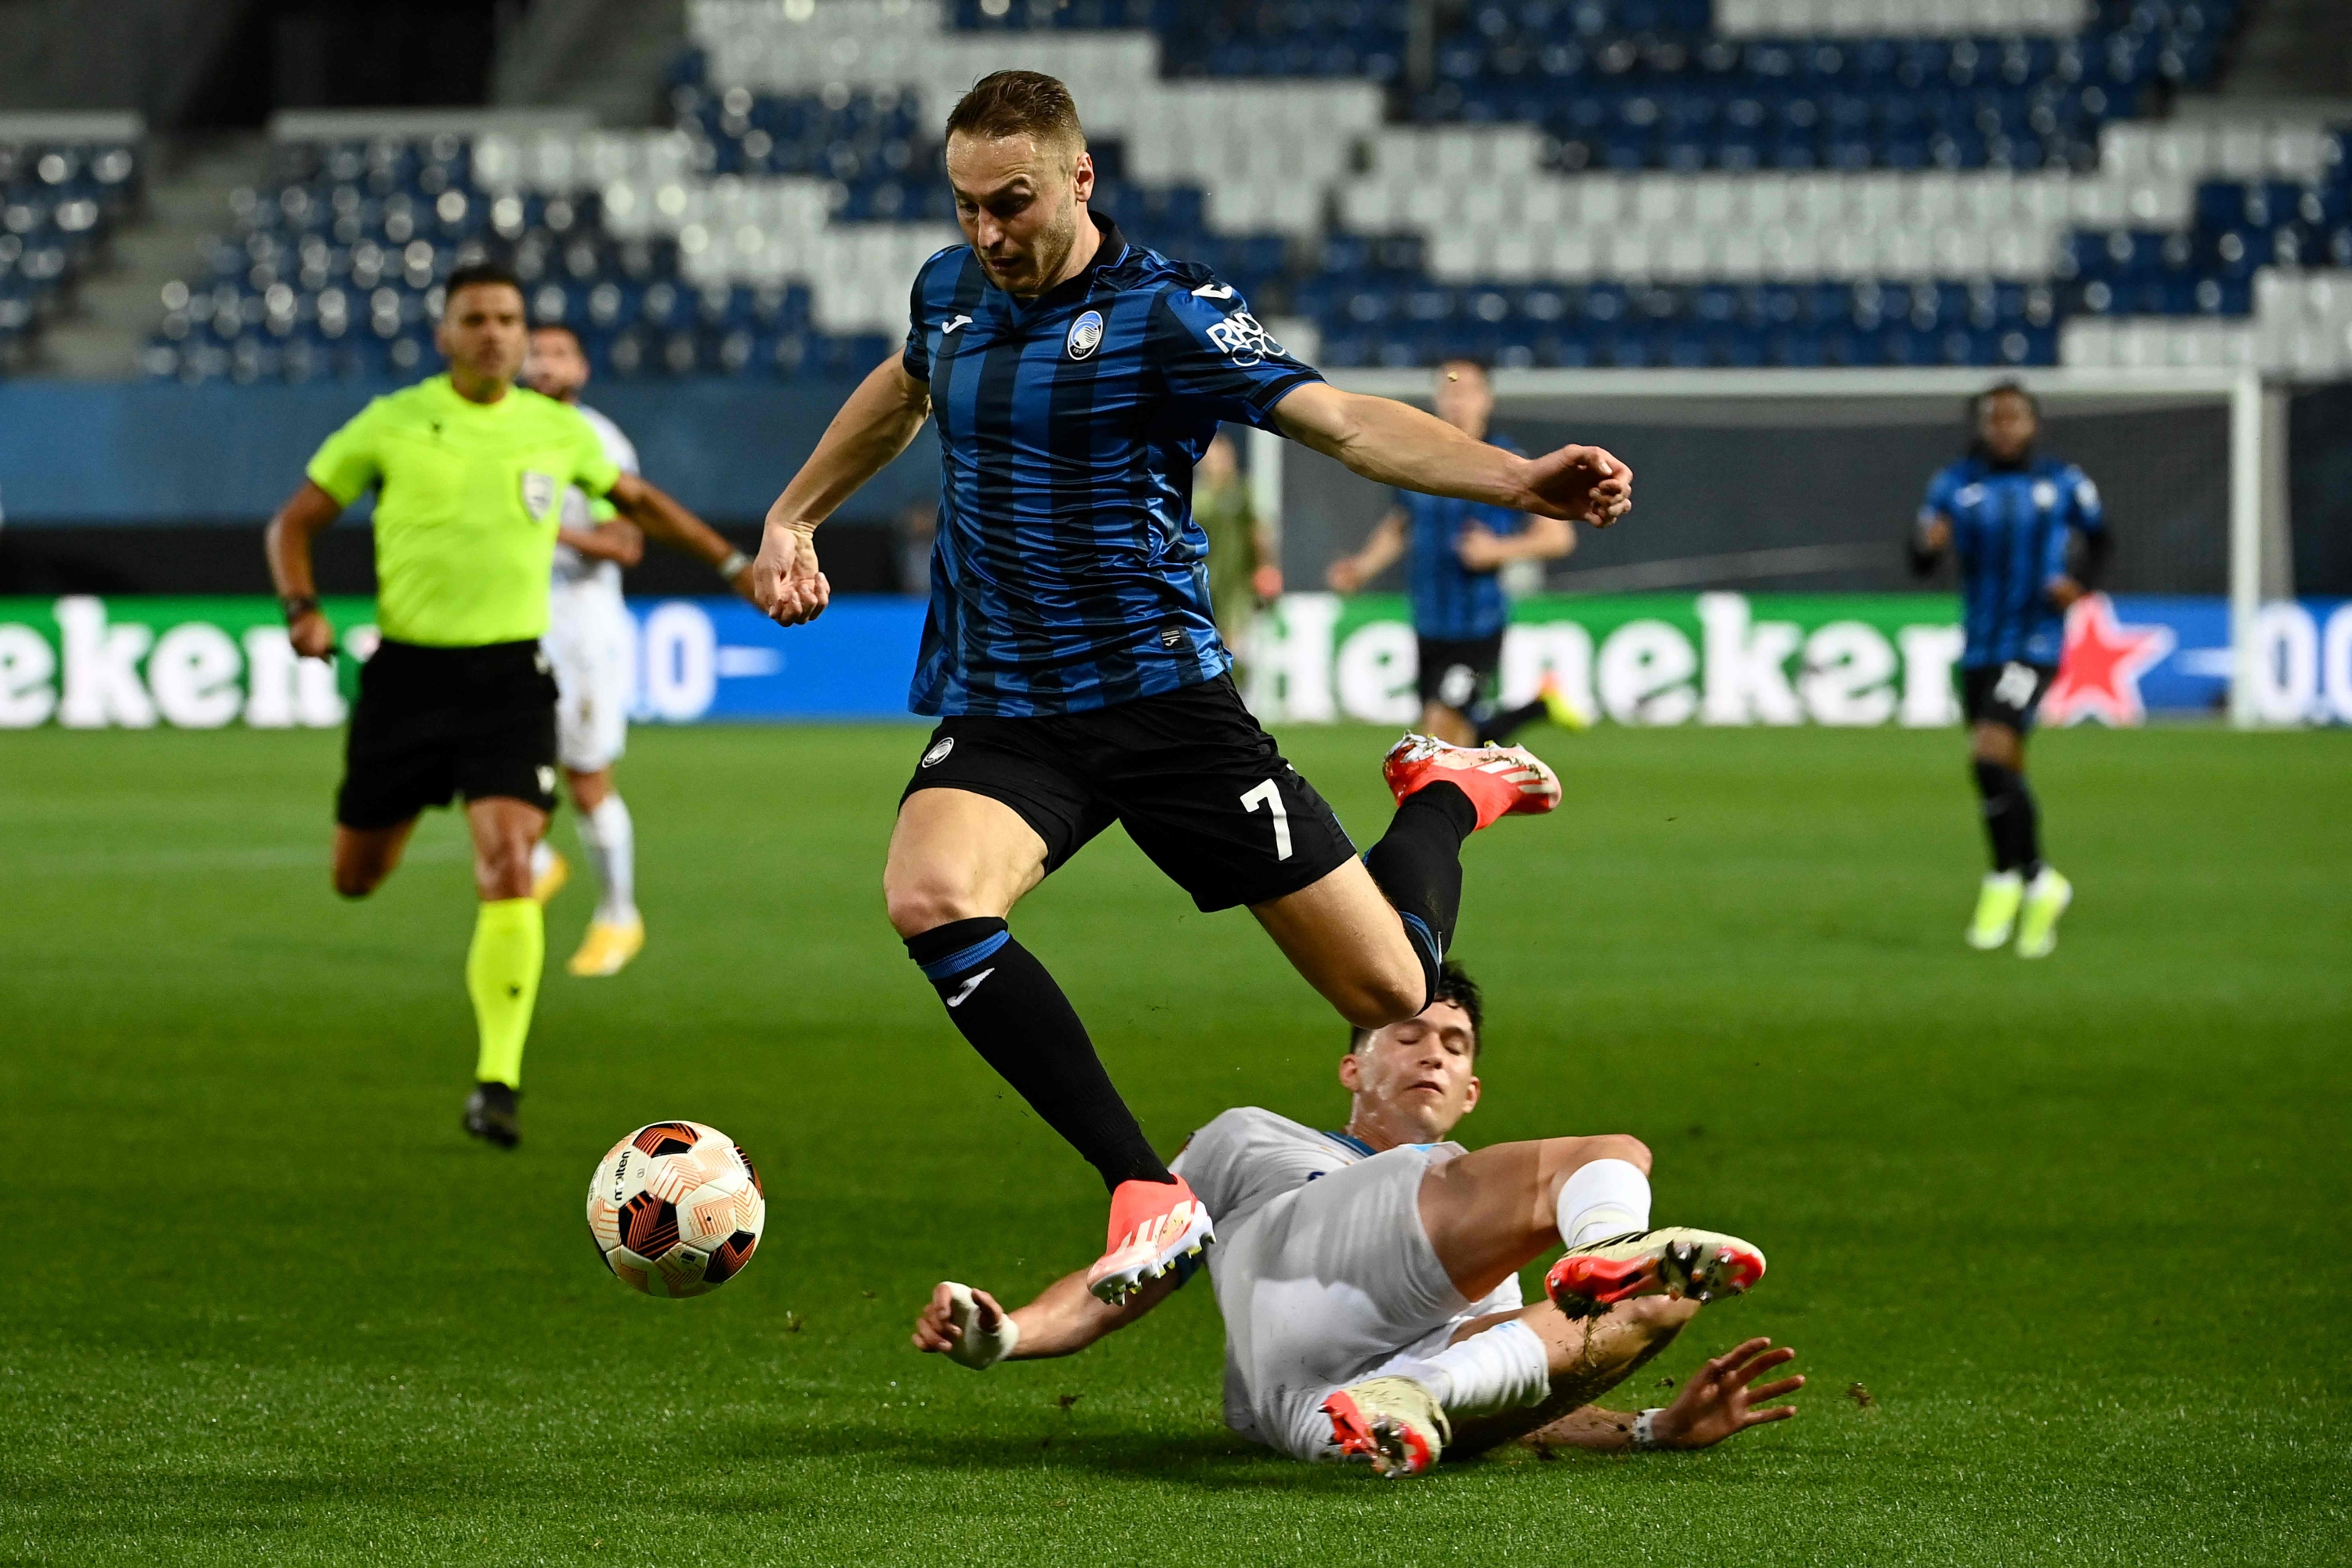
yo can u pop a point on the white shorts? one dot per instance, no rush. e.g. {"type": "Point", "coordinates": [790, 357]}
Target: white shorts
{"type": "Point", "coordinates": [1324, 1285]}
{"type": "Point", "coordinates": [592, 644]}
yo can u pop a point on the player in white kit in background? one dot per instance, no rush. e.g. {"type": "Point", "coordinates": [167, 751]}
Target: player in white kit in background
{"type": "Point", "coordinates": [1369, 1276]}
{"type": "Point", "coordinates": [592, 644]}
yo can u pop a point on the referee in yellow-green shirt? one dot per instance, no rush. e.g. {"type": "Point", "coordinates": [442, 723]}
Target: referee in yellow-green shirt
{"type": "Point", "coordinates": [458, 699]}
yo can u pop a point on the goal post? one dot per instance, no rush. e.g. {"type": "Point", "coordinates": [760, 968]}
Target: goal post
{"type": "Point", "coordinates": [1801, 481]}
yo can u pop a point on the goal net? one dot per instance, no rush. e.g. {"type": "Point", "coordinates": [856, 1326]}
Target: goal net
{"type": "Point", "coordinates": [1761, 578]}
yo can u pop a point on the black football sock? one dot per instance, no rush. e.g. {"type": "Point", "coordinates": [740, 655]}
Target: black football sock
{"type": "Point", "coordinates": [1418, 864]}
{"type": "Point", "coordinates": [1021, 1024]}
{"type": "Point", "coordinates": [2013, 823]}
{"type": "Point", "coordinates": [1504, 723]}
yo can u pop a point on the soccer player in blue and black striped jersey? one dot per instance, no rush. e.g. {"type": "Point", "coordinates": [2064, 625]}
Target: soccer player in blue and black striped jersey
{"type": "Point", "coordinates": [2030, 537]}
{"type": "Point", "coordinates": [1455, 551]}
{"type": "Point", "coordinates": [1069, 652]}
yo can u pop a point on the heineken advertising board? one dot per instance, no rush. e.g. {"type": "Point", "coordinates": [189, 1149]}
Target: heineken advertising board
{"type": "Point", "coordinates": [1710, 658]}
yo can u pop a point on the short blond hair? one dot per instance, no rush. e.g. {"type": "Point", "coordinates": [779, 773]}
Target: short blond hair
{"type": "Point", "coordinates": [1020, 103]}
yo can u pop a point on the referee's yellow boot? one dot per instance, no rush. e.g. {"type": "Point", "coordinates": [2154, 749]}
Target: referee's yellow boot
{"type": "Point", "coordinates": [608, 947]}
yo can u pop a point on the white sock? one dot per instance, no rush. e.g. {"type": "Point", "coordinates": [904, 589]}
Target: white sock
{"type": "Point", "coordinates": [610, 841]}
{"type": "Point", "coordinates": [1604, 1198]}
{"type": "Point", "coordinates": [1503, 1368]}
{"type": "Point", "coordinates": [542, 855]}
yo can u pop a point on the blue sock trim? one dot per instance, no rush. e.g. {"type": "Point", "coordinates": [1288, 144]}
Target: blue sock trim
{"type": "Point", "coordinates": [1418, 930]}
{"type": "Point", "coordinates": [956, 963]}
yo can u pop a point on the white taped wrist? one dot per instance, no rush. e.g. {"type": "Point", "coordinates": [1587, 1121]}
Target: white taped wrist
{"type": "Point", "coordinates": [976, 1347]}
{"type": "Point", "coordinates": [1646, 1430]}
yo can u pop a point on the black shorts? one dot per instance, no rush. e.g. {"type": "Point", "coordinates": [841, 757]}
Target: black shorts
{"type": "Point", "coordinates": [1456, 673]}
{"type": "Point", "coordinates": [1200, 787]}
{"type": "Point", "coordinates": [2004, 694]}
{"type": "Point", "coordinates": [435, 722]}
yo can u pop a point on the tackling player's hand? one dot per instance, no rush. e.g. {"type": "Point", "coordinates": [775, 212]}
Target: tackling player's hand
{"type": "Point", "coordinates": [965, 1325]}
{"type": "Point", "coordinates": [1934, 536]}
{"type": "Point", "coordinates": [1717, 1401]}
{"type": "Point", "coordinates": [1344, 575]}
{"type": "Point", "coordinates": [785, 582]}
{"type": "Point", "coordinates": [1582, 484]}
{"type": "Point", "coordinates": [313, 635]}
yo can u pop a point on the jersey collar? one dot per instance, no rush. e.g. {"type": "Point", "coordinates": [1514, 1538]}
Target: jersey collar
{"type": "Point", "coordinates": [1109, 253]}
{"type": "Point", "coordinates": [1350, 1141]}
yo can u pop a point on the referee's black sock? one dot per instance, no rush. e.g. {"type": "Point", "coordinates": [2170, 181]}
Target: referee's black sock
{"type": "Point", "coordinates": [1418, 864]}
{"type": "Point", "coordinates": [1018, 1020]}
{"type": "Point", "coordinates": [1504, 723]}
{"type": "Point", "coordinates": [2012, 821]}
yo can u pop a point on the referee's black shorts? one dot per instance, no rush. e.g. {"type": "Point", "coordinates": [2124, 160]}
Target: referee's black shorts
{"type": "Point", "coordinates": [1200, 787]}
{"type": "Point", "coordinates": [434, 723]}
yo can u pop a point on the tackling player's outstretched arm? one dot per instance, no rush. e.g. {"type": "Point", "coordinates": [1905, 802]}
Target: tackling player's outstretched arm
{"type": "Point", "coordinates": [308, 512]}
{"type": "Point", "coordinates": [620, 543]}
{"type": "Point", "coordinates": [874, 426]}
{"type": "Point", "coordinates": [969, 1325]}
{"type": "Point", "coordinates": [1380, 550]}
{"type": "Point", "coordinates": [1394, 443]}
{"type": "Point", "coordinates": [1720, 1400]}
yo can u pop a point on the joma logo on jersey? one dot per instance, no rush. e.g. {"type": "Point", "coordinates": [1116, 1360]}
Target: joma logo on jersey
{"type": "Point", "coordinates": [1085, 334]}
{"type": "Point", "coordinates": [538, 492]}
{"type": "Point", "coordinates": [1241, 339]}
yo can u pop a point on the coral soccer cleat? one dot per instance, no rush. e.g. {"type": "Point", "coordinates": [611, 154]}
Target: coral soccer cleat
{"type": "Point", "coordinates": [1393, 1422]}
{"type": "Point", "coordinates": [1699, 1264]}
{"type": "Point", "coordinates": [1499, 780]}
{"type": "Point", "coordinates": [1152, 1226]}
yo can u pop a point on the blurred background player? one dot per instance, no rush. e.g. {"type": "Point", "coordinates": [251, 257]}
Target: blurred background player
{"type": "Point", "coordinates": [1456, 553]}
{"type": "Point", "coordinates": [1068, 650]}
{"type": "Point", "coordinates": [1369, 1276]}
{"type": "Point", "coordinates": [457, 699]}
{"type": "Point", "coordinates": [2030, 538]}
{"type": "Point", "coordinates": [592, 645]}
{"type": "Point", "coordinates": [1244, 572]}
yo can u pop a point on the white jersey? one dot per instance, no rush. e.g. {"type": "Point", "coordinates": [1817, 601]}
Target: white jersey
{"type": "Point", "coordinates": [1321, 1267]}
{"type": "Point", "coordinates": [591, 642]}
{"type": "Point", "coordinates": [571, 567]}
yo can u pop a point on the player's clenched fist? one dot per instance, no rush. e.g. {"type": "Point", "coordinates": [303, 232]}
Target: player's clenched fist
{"type": "Point", "coordinates": [1583, 484]}
{"type": "Point", "coordinates": [785, 582]}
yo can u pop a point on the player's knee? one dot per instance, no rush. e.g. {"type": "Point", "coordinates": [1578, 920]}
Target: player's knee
{"type": "Point", "coordinates": [917, 905]}
{"type": "Point", "coordinates": [1615, 1146]}
{"type": "Point", "coordinates": [1376, 999]}
{"type": "Point", "coordinates": [503, 871]}
{"type": "Point", "coordinates": [357, 882]}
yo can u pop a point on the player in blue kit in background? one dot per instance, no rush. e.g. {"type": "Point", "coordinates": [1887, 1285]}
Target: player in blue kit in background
{"type": "Point", "coordinates": [1069, 653]}
{"type": "Point", "coordinates": [1456, 550]}
{"type": "Point", "coordinates": [2030, 538]}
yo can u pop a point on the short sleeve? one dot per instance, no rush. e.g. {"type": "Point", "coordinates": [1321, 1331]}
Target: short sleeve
{"type": "Point", "coordinates": [2082, 497]}
{"type": "Point", "coordinates": [915, 359]}
{"type": "Point", "coordinates": [1212, 353]}
{"type": "Point", "coordinates": [1940, 491]}
{"type": "Point", "coordinates": [346, 464]}
{"type": "Point", "coordinates": [593, 467]}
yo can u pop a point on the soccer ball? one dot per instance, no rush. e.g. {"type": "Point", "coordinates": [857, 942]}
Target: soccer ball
{"type": "Point", "coordinates": [676, 1209]}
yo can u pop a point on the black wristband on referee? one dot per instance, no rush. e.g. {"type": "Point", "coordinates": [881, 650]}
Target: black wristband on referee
{"type": "Point", "coordinates": [297, 606]}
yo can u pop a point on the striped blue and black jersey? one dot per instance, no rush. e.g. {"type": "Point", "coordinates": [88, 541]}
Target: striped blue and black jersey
{"type": "Point", "coordinates": [2009, 530]}
{"type": "Point", "coordinates": [1450, 602]}
{"type": "Point", "coordinates": [1068, 573]}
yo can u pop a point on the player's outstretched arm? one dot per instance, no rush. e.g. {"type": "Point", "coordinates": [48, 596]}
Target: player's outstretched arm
{"type": "Point", "coordinates": [308, 512]}
{"type": "Point", "coordinates": [615, 540]}
{"type": "Point", "coordinates": [1380, 551]}
{"type": "Point", "coordinates": [1720, 1400]}
{"type": "Point", "coordinates": [874, 426]}
{"type": "Point", "coordinates": [1066, 1318]}
{"type": "Point", "coordinates": [662, 517]}
{"type": "Point", "coordinates": [1394, 443]}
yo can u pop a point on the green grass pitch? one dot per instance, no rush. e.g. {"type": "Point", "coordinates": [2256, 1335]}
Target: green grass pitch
{"type": "Point", "coordinates": [2079, 1228]}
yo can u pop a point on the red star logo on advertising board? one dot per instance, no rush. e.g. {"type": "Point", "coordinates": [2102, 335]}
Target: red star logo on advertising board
{"type": "Point", "coordinates": [2100, 666]}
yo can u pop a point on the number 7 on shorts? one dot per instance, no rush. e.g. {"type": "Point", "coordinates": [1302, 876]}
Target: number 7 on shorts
{"type": "Point", "coordinates": [1266, 795]}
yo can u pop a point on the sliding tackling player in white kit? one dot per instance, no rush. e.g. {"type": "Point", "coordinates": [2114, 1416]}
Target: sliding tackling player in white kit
{"type": "Point", "coordinates": [1369, 1276]}
{"type": "Point", "coordinates": [591, 642]}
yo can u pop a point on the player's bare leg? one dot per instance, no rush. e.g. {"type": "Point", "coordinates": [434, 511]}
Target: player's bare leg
{"type": "Point", "coordinates": [1344, 938]}
{"type": "Point", "coordinates": [1585, 1360]}
{"type": "Point", "coordinates": [1494, 1211]}
{"type": "Point", "coordinates": [364, 857]}
{"type": "Point", "coordinates": [1448, 725]}
{"type": "Point", "coordinates": [503, 967]}
{"type": "Point", "coordinates": [959, 862]}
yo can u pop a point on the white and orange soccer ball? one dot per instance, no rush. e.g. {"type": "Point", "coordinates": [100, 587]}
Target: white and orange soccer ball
{"type": "Point", "coordinates": [676, 1209]}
